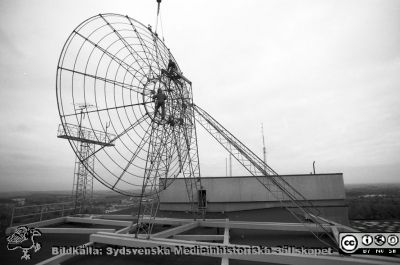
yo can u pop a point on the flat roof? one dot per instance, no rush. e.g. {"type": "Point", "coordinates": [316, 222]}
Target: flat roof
{"type": "Point", "coordinates": [291, 175]}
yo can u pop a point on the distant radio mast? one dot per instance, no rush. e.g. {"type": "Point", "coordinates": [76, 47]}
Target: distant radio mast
{"type": "Point", "coordinates": [264, 149]}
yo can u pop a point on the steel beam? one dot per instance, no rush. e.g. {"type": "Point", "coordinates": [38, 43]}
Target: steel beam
{"type": "Point", "coordinates": [335, 233]}
{"type": "Point", "coordinates": [126, 230]}
{"type": "Point", "coordinates": [97, 221]}
{"type": "Point", "coordinates": [278, 258]}
{"type": "Point", "coordinates": [199, 237]}
{"type": "Point", "coordinates": [265, 226]}
{"type": "Point", "coordinates": [54, 221]}
{"type": "Point", "coordinates": [343, 227]}
{"type": "Point", "coordinates": [113, 216]}
{"type": "Point", "coordinates": [56, 260]}
{"type": "Point", "coordinates": [225, 260]}
{"type": "Point", "coordinates": [176, 230]}
{"type": "Point", "coordinates": [59, 230]}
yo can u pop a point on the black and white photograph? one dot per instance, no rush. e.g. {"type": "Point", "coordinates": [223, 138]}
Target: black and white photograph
{"type": "Point", "coordinates": [200, 132]}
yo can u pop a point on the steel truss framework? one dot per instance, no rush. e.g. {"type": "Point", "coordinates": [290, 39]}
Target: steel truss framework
{"type": "Point", "coordinates": [173, 238]}
{"type": "Point", "coordinates": [117, 65]}
{"type": "Point", "coordinates": [82, 187]}
{"type": "Point", "coordinates": [83, 182]}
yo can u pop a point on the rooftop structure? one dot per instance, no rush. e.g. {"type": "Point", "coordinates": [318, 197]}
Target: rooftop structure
{"type": "Point", "coordinates": [229, 194]}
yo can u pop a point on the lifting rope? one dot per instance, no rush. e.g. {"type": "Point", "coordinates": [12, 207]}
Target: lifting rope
{"type": "Point", "coordinates": [156, 27]}
{"type": "Point", "coordinates": [159, 18]}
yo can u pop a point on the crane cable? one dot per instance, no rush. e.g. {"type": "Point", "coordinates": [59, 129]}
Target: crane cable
{"type": "Point", "coordinates": [156, 27]}
{"type": "Point", "coordinates": [159, 18]}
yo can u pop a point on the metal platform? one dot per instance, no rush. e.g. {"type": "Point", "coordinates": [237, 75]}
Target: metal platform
{"type": "Point", "coordinates": [85, 135]}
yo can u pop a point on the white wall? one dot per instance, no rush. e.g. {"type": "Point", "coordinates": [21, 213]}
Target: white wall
{"type": "Point", "coordinates": [249, 189]}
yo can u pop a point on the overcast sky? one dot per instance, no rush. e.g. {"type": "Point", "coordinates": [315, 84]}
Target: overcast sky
{"type": "Point", "coordinates": [322, 76]}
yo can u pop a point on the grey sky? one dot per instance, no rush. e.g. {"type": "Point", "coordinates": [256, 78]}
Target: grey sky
{"type": "Point", "coordinates": [323, 77]}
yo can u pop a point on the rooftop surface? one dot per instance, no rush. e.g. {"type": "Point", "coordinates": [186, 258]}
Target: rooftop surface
{"type": "Point", "coordinates": [237, 236]}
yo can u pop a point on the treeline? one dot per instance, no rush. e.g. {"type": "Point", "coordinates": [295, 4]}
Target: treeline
{"type": "Point", "coordinates": [358, 190]}
{"type": "Point", "coordinates": [374, 208]}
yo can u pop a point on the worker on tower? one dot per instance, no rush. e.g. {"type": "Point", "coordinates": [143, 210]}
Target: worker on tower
{"type": "Point", "coordinates": [172, 73]}
{"type": "Point", "coordinates": [171, 68]}
{"type": "Point", "coordinates": [159, 100]}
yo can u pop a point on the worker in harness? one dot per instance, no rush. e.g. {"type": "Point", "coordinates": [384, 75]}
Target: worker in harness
{"type": "Point", "coordinates": [159, 100]}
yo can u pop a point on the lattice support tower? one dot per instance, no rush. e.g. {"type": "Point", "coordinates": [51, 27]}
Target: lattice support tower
{"type": "Point", "coordinates": [183, 137]}
{"type": "Point", "coordinates": [82, 187]}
